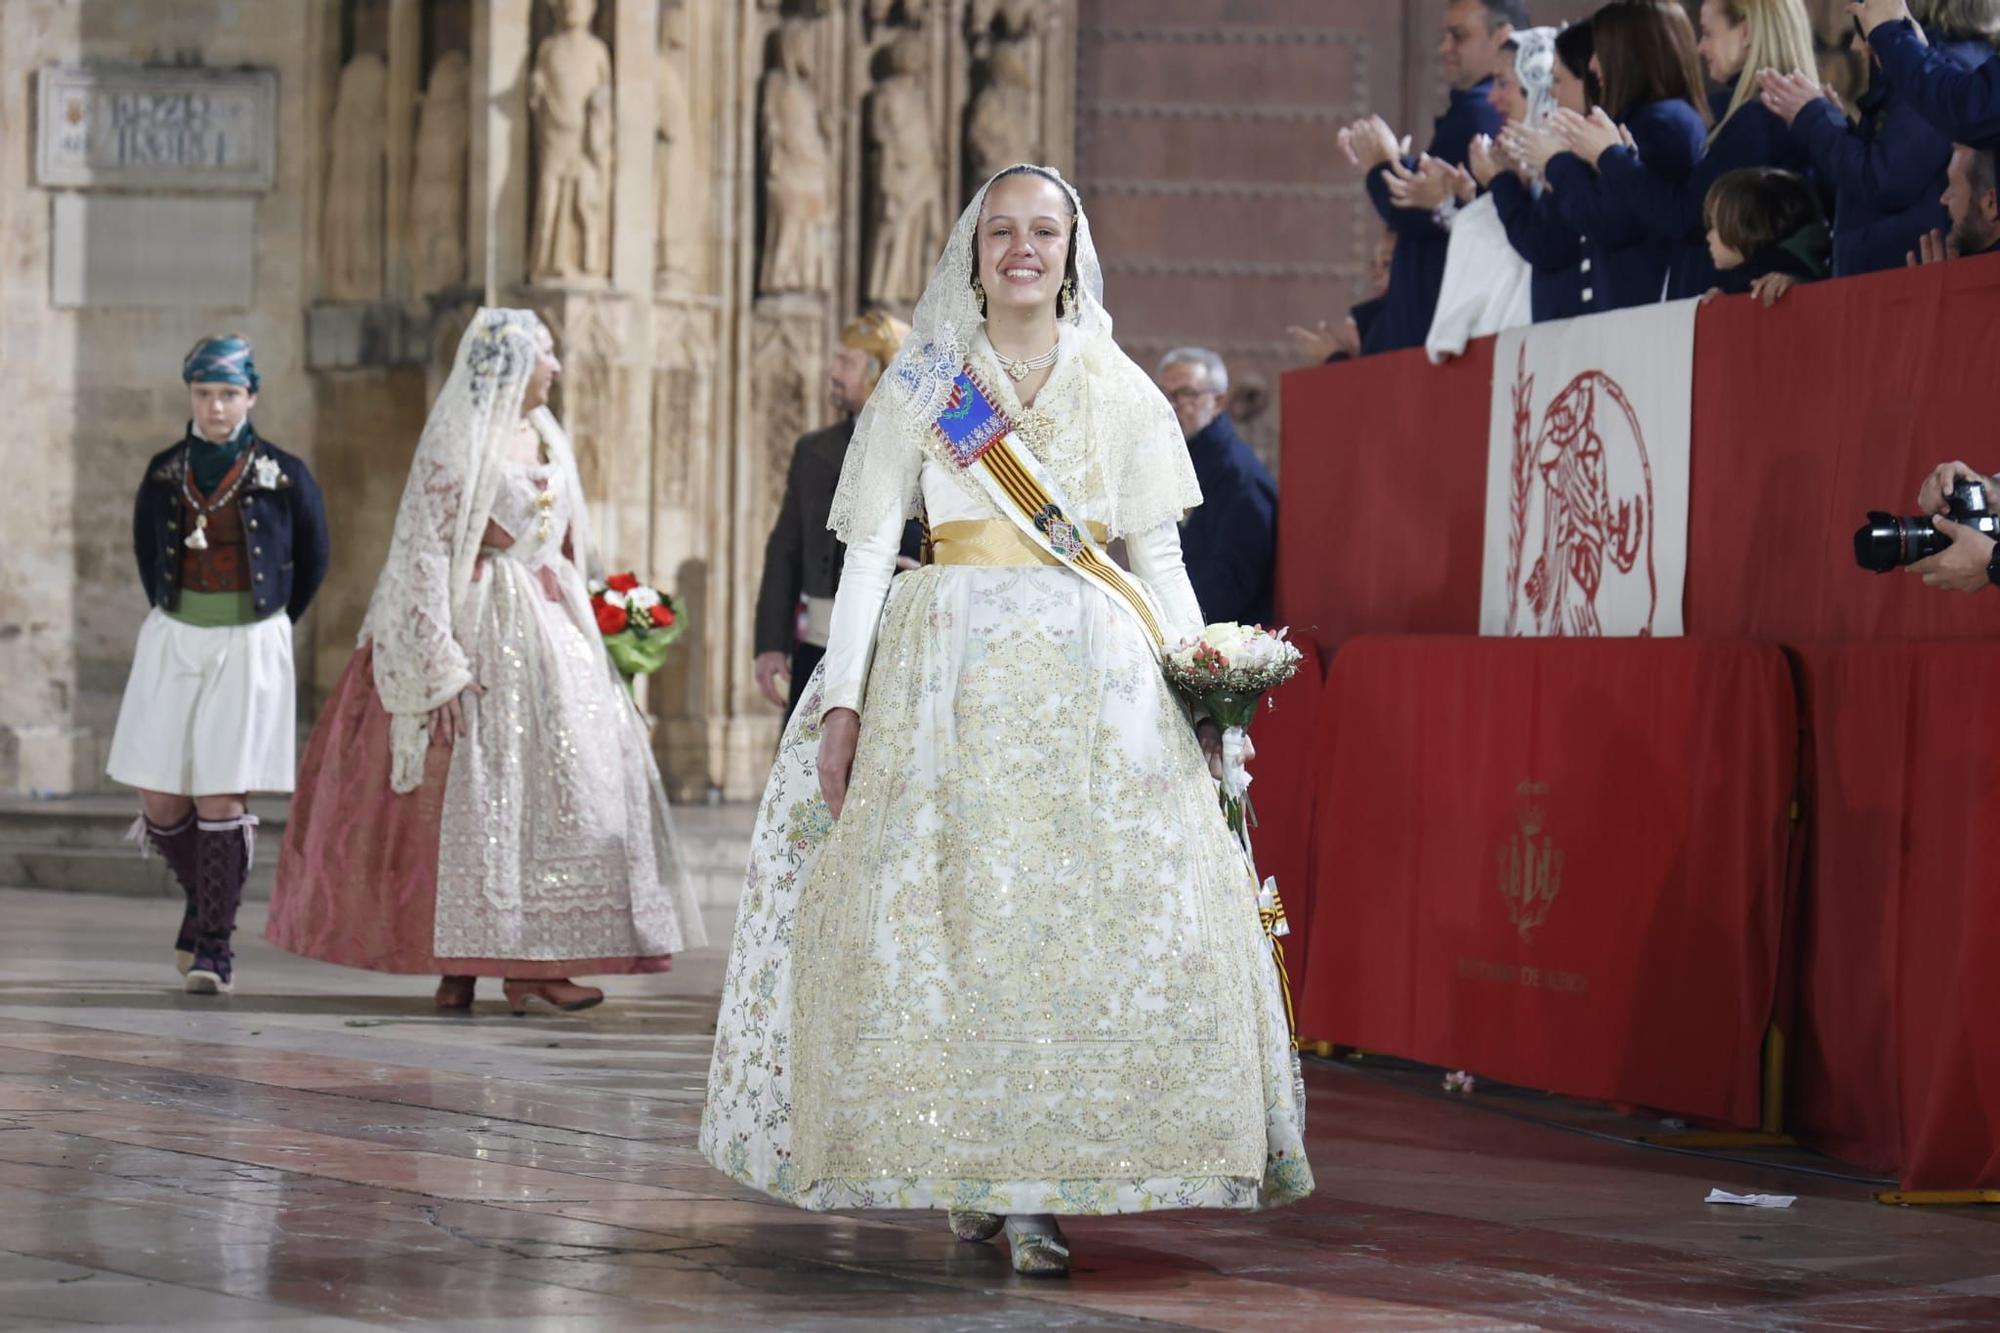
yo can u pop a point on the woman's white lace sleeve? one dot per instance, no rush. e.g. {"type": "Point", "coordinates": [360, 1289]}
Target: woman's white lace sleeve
{"type": "Point", "coordinates": [418, 664]}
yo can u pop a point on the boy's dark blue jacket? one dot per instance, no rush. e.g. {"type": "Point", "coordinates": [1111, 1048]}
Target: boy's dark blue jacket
{"type": "Point", "coordinates": [284, 531]}
{"type": "Point", "coordinates": [1417, 272]}
{"type": "Point", "coordinates": [1628, 259]}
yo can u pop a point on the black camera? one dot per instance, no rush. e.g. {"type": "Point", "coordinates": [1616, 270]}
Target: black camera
{"type": "Point", "coordinates": [1886, 541]}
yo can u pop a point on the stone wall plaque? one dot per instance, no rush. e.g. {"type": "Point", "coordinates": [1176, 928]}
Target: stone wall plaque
{"type": "Point", "coordinates": [161, 129]}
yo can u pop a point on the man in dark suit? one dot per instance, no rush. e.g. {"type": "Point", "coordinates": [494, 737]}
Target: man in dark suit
{"type": "Point", "coordinates": [1230, 543]}
{"type": "Point", "coordinates": [1476, 33]}
{"type": "Point", "coordinates": [802, 559]}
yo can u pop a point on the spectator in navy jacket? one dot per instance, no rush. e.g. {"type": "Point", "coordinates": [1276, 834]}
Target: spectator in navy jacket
{"type": "Point", "coordinates": [1654, 107]}
{"type": "Point", "coordinates": [1229, 541]}
{"type": "Point", "coordinates": [1474, 32]}
{"type": "Point", "coordinates": [1972, 201]}
{"type": "Point", "coordinates": [1887, 170]}
{"type": "Point", "coordinates": [1738, 38]}
{"type": "Point", "coordinates": [1535, 226]}
{"type": "Point", "coordinates": [1962, 103]}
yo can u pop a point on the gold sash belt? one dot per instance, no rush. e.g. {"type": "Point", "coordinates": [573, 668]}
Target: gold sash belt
{"type": "Point", "coordinates": [992, 541]}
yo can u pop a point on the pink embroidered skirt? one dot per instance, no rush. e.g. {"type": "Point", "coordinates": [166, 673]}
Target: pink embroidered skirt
{"type": "Point", "coordinates": [357, 880]}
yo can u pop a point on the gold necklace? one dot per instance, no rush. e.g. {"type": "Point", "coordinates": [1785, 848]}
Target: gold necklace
{"type": "Point", "coordinates": [1020, 370]}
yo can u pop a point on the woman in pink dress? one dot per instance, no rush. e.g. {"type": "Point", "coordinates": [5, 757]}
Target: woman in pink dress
{"type": "Point", "coordinates": [479, 796]}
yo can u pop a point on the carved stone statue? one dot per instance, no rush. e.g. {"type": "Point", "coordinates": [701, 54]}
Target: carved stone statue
{"type": "Point", "coordinates": [908, 213]}
{"type": "Point", "coordinates": [1001, 123]}
{"type": "Point", "coordinates": [435, 229]}
{"type": "Point", "coordinates": [677, 192]}
{"type": "Point", "coordinates": [569, 97]}
{"type": "Point", "coordinates": [881, 13]}
{"type": "Point", "coordinates": [352, 222]}
{"type": "Point", "coordinates": [796, 173]}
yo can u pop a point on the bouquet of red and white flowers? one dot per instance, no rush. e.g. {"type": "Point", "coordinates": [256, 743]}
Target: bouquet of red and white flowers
{"type": "Point", "coordinates": [639, 623]}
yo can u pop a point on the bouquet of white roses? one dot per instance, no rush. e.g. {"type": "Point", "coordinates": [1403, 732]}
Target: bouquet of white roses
{"type": "Point", "coordinates": [1229, 667]}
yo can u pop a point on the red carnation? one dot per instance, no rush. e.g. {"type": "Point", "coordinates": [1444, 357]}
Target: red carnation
{"type": "Point", "coordinates": [663, 615]}
{"type": "Point", "coordinates": [621, 583]}
{"type": "Point", "coordinates": [610, 619]}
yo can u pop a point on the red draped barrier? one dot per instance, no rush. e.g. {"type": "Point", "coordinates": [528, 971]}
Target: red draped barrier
{"type": "Point", "coordinates": [1899, 995]}
{"type": "Point", "coordinates": [1561, 865]}
{"type": "Point", "coordinates": [1805, 417]}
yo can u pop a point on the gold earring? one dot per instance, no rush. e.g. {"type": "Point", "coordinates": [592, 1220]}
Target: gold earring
{"type": "Point", "coordinates": [1068, 306]}
{"type": "Point", "coordinates": [979, 295]}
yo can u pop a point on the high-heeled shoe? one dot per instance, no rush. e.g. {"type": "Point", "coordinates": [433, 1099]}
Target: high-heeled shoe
{"type": "Point", "coordinates": [454, 994]}
{"type": "Point", "coordinates": [565, 995]}
{"type": "Point", "coordinates": [1037, 1247]}
{"type": "Point", "coordinates": [974, 1227]}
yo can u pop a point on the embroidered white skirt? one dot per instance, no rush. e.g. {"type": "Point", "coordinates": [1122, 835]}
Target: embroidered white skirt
{"type": "Point", "coordinates": [1024, 972]}
{"type": "Point", "coordinates": [208, 712]}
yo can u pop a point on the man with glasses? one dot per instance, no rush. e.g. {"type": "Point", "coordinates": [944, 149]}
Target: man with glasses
{"type": "Point", "coordinates": [1230, 543]}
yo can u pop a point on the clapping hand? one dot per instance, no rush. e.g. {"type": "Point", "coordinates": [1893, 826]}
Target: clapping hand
{"type": "Point", "coordinates": [1487, 160]}
{"type": "Point", "coordinates": [1370, 143]}
{"type": "Point", "coordinates": [1531, 148]}
{"type": "Point", "coordinates": [1589, 137]}
{"type": "Point", "coordinates": [1319, 343]}
{"type": "Point", "coordinates": [1785, 95]}
{"type": "Point", "coordinates": [1872, 14]}
{"type": "Point", "coordinates": [1933, 247]}
{"type": "Point", "coordinates": [1427, 186]}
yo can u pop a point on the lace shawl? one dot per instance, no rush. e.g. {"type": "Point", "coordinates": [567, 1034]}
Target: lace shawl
{"type": "Point", "coordinates": [415, 615]}
{"type": "Point", "coordinates": [1142, 456]}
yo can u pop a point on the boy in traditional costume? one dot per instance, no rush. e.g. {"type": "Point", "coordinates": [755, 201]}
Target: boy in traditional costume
{"type": "Point", "coordinates": [231, 540]}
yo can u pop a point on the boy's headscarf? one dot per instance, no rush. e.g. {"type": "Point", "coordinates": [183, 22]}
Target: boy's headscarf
{"type": "Point", "coordinates": [224, 359]}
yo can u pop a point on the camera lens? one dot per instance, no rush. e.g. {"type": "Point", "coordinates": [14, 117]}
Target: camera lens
{"type": "Point", "coordinates": [1887, 542]}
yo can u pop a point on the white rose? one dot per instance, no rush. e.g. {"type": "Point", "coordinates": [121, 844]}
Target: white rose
{"type": "Point", "coordinates": [642, 598]}
{"type": "Point", "coordinates": [613, 597]}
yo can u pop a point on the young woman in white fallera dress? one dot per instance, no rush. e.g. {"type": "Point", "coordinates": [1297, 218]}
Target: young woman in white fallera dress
{"type": "Point", "coordinates": [998, 953]}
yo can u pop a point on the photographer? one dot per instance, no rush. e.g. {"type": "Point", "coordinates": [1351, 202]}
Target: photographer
{"type": "Point", "coordinates": [1967, 565]}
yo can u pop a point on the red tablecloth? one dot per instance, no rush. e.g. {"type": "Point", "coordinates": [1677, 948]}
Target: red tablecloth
{"type": "Point", "coordinates": [1561, 865]}
{"type": "Point", "coordinates": [1899, 1053]}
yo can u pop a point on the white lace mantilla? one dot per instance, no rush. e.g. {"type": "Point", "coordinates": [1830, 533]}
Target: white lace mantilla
{"type": "Point", "coordinates": [1099, 423]}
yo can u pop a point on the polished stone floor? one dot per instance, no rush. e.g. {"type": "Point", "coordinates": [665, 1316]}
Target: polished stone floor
{"type": "Point", "coordinates": [322, 1151]}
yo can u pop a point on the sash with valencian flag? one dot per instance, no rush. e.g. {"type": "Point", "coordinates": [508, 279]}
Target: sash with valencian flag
{"type": "Point", "coordinates": [981, 441]}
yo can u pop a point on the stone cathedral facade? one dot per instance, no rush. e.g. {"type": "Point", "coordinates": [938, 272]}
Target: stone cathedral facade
{"type": "Point", "coordinates": [694, 194]}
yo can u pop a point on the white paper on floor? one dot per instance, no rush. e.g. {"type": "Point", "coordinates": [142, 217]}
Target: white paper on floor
{"type": "Point", "coordinates": [1752, 1200]}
